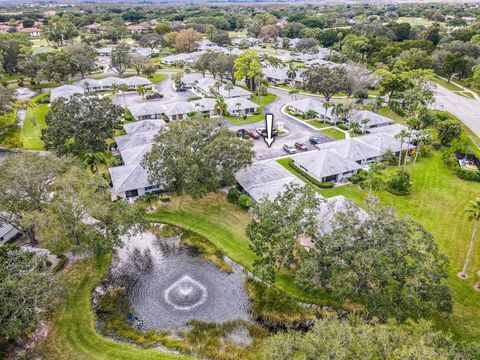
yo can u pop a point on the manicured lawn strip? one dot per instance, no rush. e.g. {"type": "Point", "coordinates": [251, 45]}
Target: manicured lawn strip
{"type": "Point", "coordinates": [224, 225]}
{"type": "Point", "coordinates": [73, 334]}
{"type": "Point", "coordinates": [438, 202]}
{"type": "Point", "coordinates": [450, 86]}
{"type": "Point", "coordinates": [387, 112]}
{"type": "Point", "coordinates": [333, 133]}
{"type": "Point", "coordinates": [30, 133]}
{"type": "Point", "coordinates": [156, 78]}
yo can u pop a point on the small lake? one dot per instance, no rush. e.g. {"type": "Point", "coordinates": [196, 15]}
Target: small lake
{"type": "Point", "coordinates": [169, 284]}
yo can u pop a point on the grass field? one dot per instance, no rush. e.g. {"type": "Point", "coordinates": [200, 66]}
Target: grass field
{"type": "Point", "coordinates": [450, 86]}
{"type": "Point", "coordinates": [32, 126]}
{"type": "Point", "coordinates": [438, 202]}
{"type": "Point", "coordinates": [73, 335]}
{"type": "Point", "coordinates": [333, 133]}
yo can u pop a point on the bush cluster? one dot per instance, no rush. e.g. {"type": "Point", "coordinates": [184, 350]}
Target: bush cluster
{"type": "Point", "coordinates": [236, 197]}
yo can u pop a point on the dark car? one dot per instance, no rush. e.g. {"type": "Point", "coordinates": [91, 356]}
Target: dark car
{"type": "Point", "coordinates": [181, 89]}
{"type": "Point", "coordinates": [301, 146]}
{"type": "Point", "coordinates": [242, 133]}
{"type": "Point", "coordinates": [263, 132]}
{"type": "Point", "coordinates": [315, 141]}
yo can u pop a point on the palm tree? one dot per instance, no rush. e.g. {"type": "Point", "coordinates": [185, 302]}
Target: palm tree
{"type": "Point", "coordinates": [377, 104]}
{"type": "Point", "coordinates": [123, 88]}
{"type": "Point", "coordinates": [217, 85]}
{"type": "Point", "coordinates": [291, 73]}
{"type": "Point", "coordinates": [355, 127]}
{"type": "Point", "coordinates": [142, 90]}
{"type": "Point", "coordinates": [364, 123]}
{"type": "Point", "coordinates": [326, 105]}
{"type": "Point", "coordinates": [237, 105]}
{"type": "Point", "coordinates": [149, 198]}
{"type": "Point", "coordinates": [401, 135]}
{"type": "Point", "coordinates": [374, 179]}
{"type": "Point", "coordinates": [229, 87]}
{"type": "Point", "coordinates": [423, 137]}
{"type": "Point", "coordinates": [338, 110]}
{"type": "Point", "coordinates": [92, 160]}
{"type": "Point", "coordinates": [473, 212]}
{"type": "Point", "coordinates": [293, 93]}
{"type": "Point", "coordinates": [220, 107]}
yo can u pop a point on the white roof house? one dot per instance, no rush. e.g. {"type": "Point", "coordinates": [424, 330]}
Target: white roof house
{"type": "Point", "coordinates": [375, 120]}
{"type": "Point", "coordinates": [143, 126]}
{"type": "Point", "coordinates": [135, 139]}
{"type": "Point", "coordinates": [131, 181]}
{"type": "Point", "coordinates": [206, 85]}
{"type": "Point", "coordinates": [183, 57]}
{"type": "Point", "coordinates": [135, 154]}
{"type": "Point", "coordinates": [7, 232]}
{"type": "Point", "coordinates": [240, 105]}
{"type": "Point", "coordinates": [326, 165]}
{"type": "Point", "coordinates": [353, 149]}
{"type": "Point", "coordinates": [303, 105]}
{"type": "Point", "coordinates": [265, 179]}
{"type": "Point", "coordinates": [147, 110]}
{"type": "Point", "coordinates": [392, 130]}
{"type": "Point", "coordinates": [383, 142]}
{"type": "Point", "coordinates": [65, 92]}
{"type": "Point", "coordinates": [189, 80]}
{"type": "Point", "coordinates": [132, 82]}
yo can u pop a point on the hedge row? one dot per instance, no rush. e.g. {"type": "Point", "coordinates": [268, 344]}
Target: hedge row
{"type": "Point", "coordinates": [321, 185]}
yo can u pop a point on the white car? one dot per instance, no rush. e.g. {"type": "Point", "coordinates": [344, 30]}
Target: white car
{"type": "Point", "coordinates": [290, 149]}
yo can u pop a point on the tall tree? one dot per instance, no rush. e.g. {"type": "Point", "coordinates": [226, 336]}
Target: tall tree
{"type": "Point", "coordinates": [81, 216]}
{"type": "Point", "coordinates": [81, 58]}
{"type": "Point", "coordinates": [7, 99]}
{"type": "Point", "coordinates": [473, 211]}
{"type": "Point", "coordinates": [248, 68]}
{"type": "Point", "coordinates": [187, 40]}
{"type": "Point", "coordinates": [60, 29]}
{"type": "Point", "coordinates": [25, 186]}
{"type": "Point", "coordinates": [121, 58]}
{"type": "Point", "coordinates": [80, 125]}
{"type": "Point", "coordinates": [325, 80]}
{"type": "Point", "coordinates": [29, 291]}
{"type": "Point", "coordinates": [196, 156]}
{"type": "Point", "coordinates": [276, 227]}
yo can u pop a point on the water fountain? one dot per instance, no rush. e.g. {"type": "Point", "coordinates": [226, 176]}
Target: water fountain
{"type": "Point", "coordinates": [185, 294]}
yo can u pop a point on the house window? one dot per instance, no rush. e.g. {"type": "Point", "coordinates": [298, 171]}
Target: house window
{"type": "Point", "coordinates": [153, 187]}
{"type": "Point", "coordinates": [131, 193]}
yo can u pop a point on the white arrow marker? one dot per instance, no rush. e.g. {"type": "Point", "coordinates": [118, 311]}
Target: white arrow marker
{"type": "Point", "coordinates": [269, 139]}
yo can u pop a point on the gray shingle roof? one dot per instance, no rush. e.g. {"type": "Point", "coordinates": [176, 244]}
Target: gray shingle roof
{"type": "Point", "coordinates": [325, 163]}
{"type": "Point", "coordinates": [129, 177]}
{"type": "Point", "coordinates": [392, 130]}
{"type": "Point", "coordinates": [375, 119]}
{"type": "Point", "coordinates": [143, 126]}
{"type": "Point", "coordinates": [65, 92]}
{"type": "Point", "coordinates": [383, 142]}
{"type": "Point", "coordinates": [135, 139]}
{"type": "Point", "coordinates": [352, 149]}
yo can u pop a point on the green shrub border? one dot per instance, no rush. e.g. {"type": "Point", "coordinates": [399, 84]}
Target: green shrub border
{"type": "Point", "coordinates": [321, 185]}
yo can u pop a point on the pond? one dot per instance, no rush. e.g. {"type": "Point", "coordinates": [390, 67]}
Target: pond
{"type": "Point", "coordinates": [169, 284]}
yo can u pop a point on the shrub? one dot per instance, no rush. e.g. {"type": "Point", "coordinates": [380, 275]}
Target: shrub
{"type": "Point", "coordinates": [61, 263]}
{"type": "Point", "coordinates": [390, 158]}
{"type": "Point", "coordinates": [399, 183]}
{"type": "Point", "coordinates": [245, 202]}
{"type": "Point", "coordinates": [342, 126]}
{"type": "Point", "coordinates": [233, 194]}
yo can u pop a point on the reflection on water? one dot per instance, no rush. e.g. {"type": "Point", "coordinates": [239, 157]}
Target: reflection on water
{"type": "Point", "coordinates": [169, 284]}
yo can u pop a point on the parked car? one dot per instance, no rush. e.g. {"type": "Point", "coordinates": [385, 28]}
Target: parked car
{"type": "Point", "coordinates": [289, 149]}
{"type": "Point", "coordinates": [263, 132]}
{"type": "Point", "coordinates": [242, 133]}
{"type": "Point", "coordinates": [253, 135]}
{"type": "Point", "coordinates": [181, 89]}
{"type": "Point", "coordinates": [315, 141]}
{"type": "Point", "coordinates": [301, 146]}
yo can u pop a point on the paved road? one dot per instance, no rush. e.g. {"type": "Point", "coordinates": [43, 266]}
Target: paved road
{"type": "Point", "coordinates": [465, 109]}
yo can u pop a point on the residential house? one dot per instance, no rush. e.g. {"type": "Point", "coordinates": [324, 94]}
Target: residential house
{"type": "Point", "coordinates": [104, 51]}
{"type": "Point", "coordinates": [106, 84]}
{"type": "Point", "coordinates": [206, 87]}
{"type": "Point", "coordinates": [96, 28]}
{"type": "Point", "coordinates": [240, 106]}
{"type": "Point", "coordinates": [374, 120]}
{"type": "Point", "coordinates": [302, 106]}
{"type": "Point", "coordinates": [190, 80]}
{"type": "Point", "coordinates": [143, 126]}
{"type": "Point", "coordinates": [137, 29]}
{"type": "Point", "coordinates": [384, 142]}
{"type": "Point", "coordinates": [178, 110]}
{"type": "Point", "coordinates": [353, 149]}
{"type": "Point", "coordinates": [146, 110]}
{"type": "Point", "coordinates": [32, 31]}
{"type": "Point", "coordinates": [65, 92]}
{"type": "Point", "coordinates": [7, 233]}
{"type": "Point", "coordinates": [392, 130]}
{"type": "Point", "coordinates": [186, 58]}
{"type": "Point", "coordinates": [326, 165]}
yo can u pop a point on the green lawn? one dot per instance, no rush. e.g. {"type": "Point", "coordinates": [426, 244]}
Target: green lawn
{"type": "Point", "coordinates": [333, 133]}
{"type": "Point", "coordinates": [156, 78]}
{"type": "Point", "coordinates": [438, 202]}
{"type": "Point", "coordinates": [32, 126]}
{"type": "Point", "coordinates": [73, 335]}
{"type": "Point", "coordinates": [450, 86]}
{"type": "Point", "coordinates": [319, 124]}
